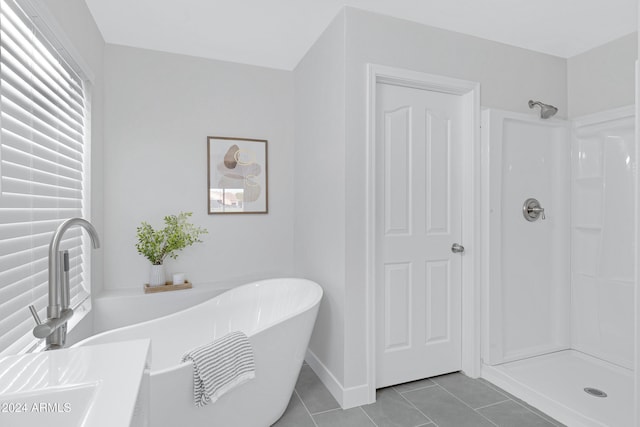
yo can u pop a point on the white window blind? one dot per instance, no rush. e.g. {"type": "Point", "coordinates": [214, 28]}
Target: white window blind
{"type": "Point", "coordinates": [42, 172]}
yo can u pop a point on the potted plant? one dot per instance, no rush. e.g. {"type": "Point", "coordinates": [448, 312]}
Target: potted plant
{"type": "Point", "coordinates": [157, 245]}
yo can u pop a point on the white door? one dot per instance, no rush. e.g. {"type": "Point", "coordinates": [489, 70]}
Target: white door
{"type": "Point", "coordinates": [418, 277]}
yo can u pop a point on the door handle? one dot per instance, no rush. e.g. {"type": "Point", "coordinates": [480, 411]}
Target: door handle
{"type": "Point", "coordinates": [457, 249]}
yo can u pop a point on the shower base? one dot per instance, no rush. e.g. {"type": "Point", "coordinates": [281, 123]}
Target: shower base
{"type": "Point", "coordinates": [554, 383]}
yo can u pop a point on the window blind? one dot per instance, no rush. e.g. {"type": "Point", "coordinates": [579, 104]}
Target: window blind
{"type": "Point", "coordinates": [42, 172]}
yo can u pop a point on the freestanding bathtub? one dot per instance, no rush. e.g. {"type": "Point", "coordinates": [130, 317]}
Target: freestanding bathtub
{"type": "Point", "coordinates": [277, 315]}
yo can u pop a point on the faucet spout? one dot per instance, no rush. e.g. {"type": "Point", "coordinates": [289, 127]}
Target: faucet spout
{"type": "Point", "coordinates": [58, 311]}
{"type": "Point", "coordinates": [55, 288]}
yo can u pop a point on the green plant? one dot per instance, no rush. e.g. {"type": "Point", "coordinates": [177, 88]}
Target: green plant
{"type": "Point", "coordinates": [178, 233]}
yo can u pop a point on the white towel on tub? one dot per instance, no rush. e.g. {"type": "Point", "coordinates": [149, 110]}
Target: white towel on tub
{"type": "Point", "coordinates": [220, 366]}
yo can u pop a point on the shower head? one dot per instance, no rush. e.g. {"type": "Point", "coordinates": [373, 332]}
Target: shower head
{"type": "Point", "coordinates": [546, 110]}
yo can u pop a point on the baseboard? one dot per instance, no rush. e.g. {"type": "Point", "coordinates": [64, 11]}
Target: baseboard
{"type": "Point", "coordinates": [355, 396]}
{"type": "Point", "coordinates": [349, 397]}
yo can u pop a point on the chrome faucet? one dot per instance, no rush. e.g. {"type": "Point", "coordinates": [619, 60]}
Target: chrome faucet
{"type": "Point", "coordinates": [532, 210]}
{"type": "Point", "coordinates": [54, 329]}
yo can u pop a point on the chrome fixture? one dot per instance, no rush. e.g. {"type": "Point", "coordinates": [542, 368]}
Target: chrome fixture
{"type": "Point", "coordinates": [457, 249]}
{"type": "Point", "coordinates": [546, 110]}
{"type": "Point", "coordinates": [531, 210]}
{"type": "Point", "coordinates": [54, 329]}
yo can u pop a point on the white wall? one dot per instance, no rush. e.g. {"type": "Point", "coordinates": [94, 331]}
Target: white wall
{"type": "Point", "coordinates": [320, 169]}
{"type": "Point", "coordinates": [330, 154]}
{"type": "Point", "coordinates": [603, 78]}
{"type": "Point", "coordinates": [600, 80]}
{"type": "Point", "coordinates": [509, 77]}
{"type": "Point", "coordinates": [603, 214]}
{"type": "Point", "coordinates": [528, 291]}
{"type": "Point", "coordinates": [159, 110]}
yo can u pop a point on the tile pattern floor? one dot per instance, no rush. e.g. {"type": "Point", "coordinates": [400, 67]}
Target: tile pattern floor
{"type": "Point", "coordinates": [452, 400]}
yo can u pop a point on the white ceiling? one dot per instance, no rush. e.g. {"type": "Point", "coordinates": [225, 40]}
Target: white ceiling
{"type": "Point", "coordinates": [277, 33]}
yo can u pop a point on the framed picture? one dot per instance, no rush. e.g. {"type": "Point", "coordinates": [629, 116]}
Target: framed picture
{"type": "Point", "coordinates": [237, 175]}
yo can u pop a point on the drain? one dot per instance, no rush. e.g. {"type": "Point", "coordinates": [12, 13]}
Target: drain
{"type": "Point", "coordinates": [595, 392]}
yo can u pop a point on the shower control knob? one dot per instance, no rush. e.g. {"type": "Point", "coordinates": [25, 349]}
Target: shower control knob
{"type": "Point", "coordinates": [457, 249]}
{"type": "Point", "coordinates": [531, 210]}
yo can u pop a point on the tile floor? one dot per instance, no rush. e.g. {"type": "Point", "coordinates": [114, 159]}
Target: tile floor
{"type": "Point", "coordinates": [449, 400]}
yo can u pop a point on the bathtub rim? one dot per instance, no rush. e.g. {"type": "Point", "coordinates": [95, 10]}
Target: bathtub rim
{"type": "Point", "coordinates": [313, 285]}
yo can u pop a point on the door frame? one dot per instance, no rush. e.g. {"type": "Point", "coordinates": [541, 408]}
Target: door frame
{"type": "Point", "coordinates": [471, 204]}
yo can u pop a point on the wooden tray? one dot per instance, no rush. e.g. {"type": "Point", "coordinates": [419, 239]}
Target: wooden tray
{"type": "Point", "coordinates": [168, 287]}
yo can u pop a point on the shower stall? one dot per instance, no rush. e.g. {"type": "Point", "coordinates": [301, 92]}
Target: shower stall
{"type": "Point", "coordinates": [559, 262]}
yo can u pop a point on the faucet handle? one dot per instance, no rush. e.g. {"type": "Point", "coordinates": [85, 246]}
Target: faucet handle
{"type": "Point", "coordinates": [34, 313]}
{"type": "Point", "coordinates": [42, 330]}
{"type": "Point", "coordinates": [532, 210]}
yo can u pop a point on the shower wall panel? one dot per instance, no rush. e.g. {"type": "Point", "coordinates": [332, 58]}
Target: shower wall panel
{"type": "Point", "coordinates": [528, 289]}
{"type": "Point", "coordinates": [602, 235]}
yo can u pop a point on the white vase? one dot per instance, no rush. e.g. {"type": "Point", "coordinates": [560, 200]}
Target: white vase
{"type": "Point", "coordinates": [157, 275]}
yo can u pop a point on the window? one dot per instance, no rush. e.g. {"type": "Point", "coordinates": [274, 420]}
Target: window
{"type": "Point", "coordinates": [43, 171]}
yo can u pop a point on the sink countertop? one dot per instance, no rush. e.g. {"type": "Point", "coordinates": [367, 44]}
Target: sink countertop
{"type": "Point", "coordinates": [85, 386]}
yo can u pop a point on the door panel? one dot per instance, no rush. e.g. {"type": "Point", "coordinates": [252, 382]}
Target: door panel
{"type": "Point", "coordinates": [418, 291]}
{"type": "Point", "coordinates": [397, 193]}
{"type": "Point", "coordinates": [397, 293]}
{"type": "Point", "coordinates": [438, 326]}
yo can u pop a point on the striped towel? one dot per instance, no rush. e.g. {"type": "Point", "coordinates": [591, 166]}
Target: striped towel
{"type": "Point", "coordinates": [220, 366]}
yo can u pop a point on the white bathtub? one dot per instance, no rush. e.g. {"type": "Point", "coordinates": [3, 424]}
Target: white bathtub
{"type": "Point", "coordinates": [277, 315]}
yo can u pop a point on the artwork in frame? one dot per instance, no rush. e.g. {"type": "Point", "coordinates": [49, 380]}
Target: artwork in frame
{"type": "Point", "coordinates": [237, 175]}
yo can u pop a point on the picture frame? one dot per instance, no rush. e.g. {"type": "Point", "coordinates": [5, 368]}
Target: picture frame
{"type": "Point", "coordinates": [237, 175]}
